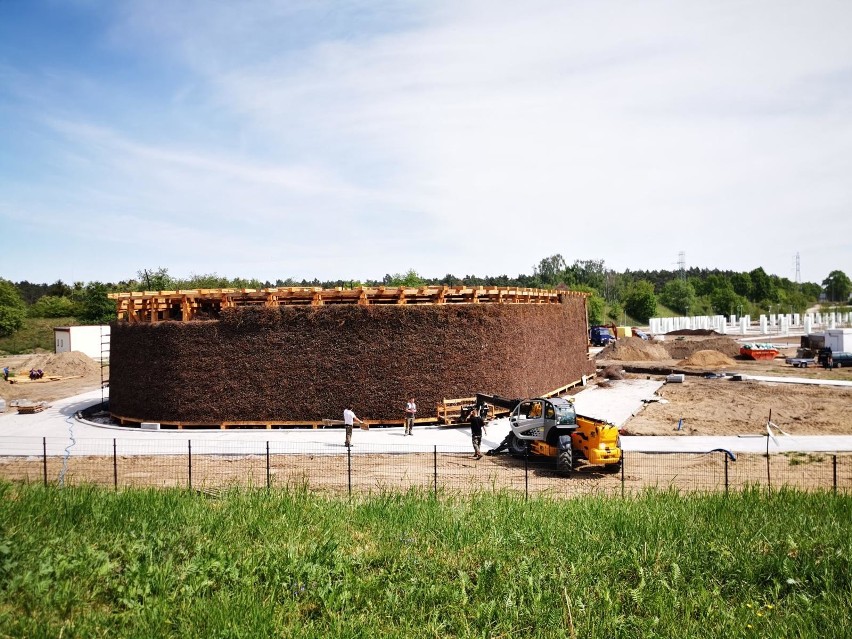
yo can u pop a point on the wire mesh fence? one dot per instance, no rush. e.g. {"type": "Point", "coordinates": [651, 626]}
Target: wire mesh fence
{"type": "Point", "coordinates": [201, 464]}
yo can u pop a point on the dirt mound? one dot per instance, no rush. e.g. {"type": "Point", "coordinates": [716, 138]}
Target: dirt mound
{"type": "Point", "coordinates": [634, 349]}
{"type": "Point", "coordinates": [61, 364]}
{"type": "Point", "coordinates": [707, 359]}
{"type": "Point", "coordinates": [613, 372]}
{"type": "Point", "coordinates": [684, 348]}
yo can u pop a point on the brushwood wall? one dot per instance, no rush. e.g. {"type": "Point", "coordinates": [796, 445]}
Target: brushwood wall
{"type": "Point", "coordinates": [296, 363]}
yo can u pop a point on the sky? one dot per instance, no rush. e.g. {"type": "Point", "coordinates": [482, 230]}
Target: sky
{"type": "Point", "coordinates": [349, 139]}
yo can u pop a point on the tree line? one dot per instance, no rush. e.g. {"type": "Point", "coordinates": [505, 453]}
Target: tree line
{"type": "Point", "coordinates": [613, 296]}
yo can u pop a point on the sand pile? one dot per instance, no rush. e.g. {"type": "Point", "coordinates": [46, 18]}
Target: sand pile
{"type": "Point", "coordinates": [60, 364]}
{"type": "Point", "coordinates": [634, 349]}
{"type": "Point", "coordinates": [684, 348]}
{"type": "Point", "coordinates": [707, 359]}
{"type": "Point", "coordinates": [613, 372]}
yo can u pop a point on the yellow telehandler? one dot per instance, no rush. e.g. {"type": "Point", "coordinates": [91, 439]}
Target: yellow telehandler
{"type": "Point", "coordinates": [551, 427]}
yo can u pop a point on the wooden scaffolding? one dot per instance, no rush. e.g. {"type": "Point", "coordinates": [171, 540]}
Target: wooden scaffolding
{"type": "Point", "coordinates": [188, 305]}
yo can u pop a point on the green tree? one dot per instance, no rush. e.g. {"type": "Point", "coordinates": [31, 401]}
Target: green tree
{"type": "Point", "coordinates": [594, 304]}
{"type": "Point", "coordinates": [837, 286]}
{"type": "Point", "coordinates": [12, 308]}
{"type": "Point", "coordinates": [155, 280]}
{"type": "Point", "coordinates": [679, 295]}
{"type": "Point", "coordinates": [615, 312]}
{"type": "Point", "coordinates": [741, 283]}
{"type": "Point", "coordinates": [551, 270]}
{"type": "Point", "coordinates": [411, 279]}
{"type": "Point", "coordinates": [725, 301]}
{"type": "Point", "coordinates": [590, 273]}
{"type": "Point", "coordinates": [97, 308]}
{"type": "Point", "coordinates": [763, 288]}
{"type": "Point", "coordinates": [811, 290]}
{"type": "Point", "coordinates": [53, 306]}
{"type": "Point", "coordinates": [640, 302]}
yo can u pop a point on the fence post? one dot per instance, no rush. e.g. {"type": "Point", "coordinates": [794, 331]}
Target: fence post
{"type": "Point", "coordinates": [527, 475]}
{"type": "Point", "coordinates": [44, 457]}
{"type": "Point", "coordinates": [268, 481]}
{"type": "Point", "coordinates": [189, 442]}
{"type": "Point", "coordinates": [834, 473]}
{"type": "Point", "coordinates": [114, 464]}
{"type": "Point", "coordinates": [349, 467]}
{"type": "Point", "coordinates": [623, 459]}
{"type": "Point", "coordinates": [435, 469]}
{"type": "Point", "coordinates": [768, 474]}
{"type": "Point", "coordinates": [726, 471]}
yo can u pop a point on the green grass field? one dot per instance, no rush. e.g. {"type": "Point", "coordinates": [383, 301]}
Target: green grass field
{"type": "Point", "coordinates": [86, 562]}
{"type": "Point", "coordinates": [36, 334]}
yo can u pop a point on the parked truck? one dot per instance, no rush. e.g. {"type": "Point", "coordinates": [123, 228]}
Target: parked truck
{"type": "Point", "coordinates": [551, 427]}
{"type": "Point", "coordinates": [601, 335]}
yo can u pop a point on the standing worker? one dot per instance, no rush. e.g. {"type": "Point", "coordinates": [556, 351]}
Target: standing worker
{"type": "Point", "coordinates": [477, 426]}
{"type": "Point", "coordinates": [410, 414]}
{"type": "Point", "coordinates": [349, 419]}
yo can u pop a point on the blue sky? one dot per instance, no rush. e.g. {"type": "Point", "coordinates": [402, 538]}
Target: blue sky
{"type": "Point", "coordinates": [351, 139]}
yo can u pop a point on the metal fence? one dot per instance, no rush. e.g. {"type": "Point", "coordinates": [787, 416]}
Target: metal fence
{"type": "Point", "coordinates": [207, 465]}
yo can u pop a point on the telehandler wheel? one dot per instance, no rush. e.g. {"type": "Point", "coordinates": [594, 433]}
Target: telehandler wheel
{"type": "Point", "coordinates": [612, 469]}
{"type": "Point", "coordinates": [565, 461]}
{"type": "Point", "coordinates": [517, 447]}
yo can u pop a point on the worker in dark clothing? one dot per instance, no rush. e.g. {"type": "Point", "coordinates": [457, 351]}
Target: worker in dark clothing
{"type": "Point", "coordinates": [477, 426]}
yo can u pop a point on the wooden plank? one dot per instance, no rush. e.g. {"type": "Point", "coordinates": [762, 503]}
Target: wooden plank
{"type": "Point", "coordinates": [153, 306]}
{"type": "Point", "coordinates": [29, 409]}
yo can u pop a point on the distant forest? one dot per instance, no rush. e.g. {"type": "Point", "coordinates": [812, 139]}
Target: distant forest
{"type": "Point", "coordinates": [631, 296]}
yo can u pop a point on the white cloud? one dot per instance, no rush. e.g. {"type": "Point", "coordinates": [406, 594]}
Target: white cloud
{"type": "Point", "coordinates": [479, 137]}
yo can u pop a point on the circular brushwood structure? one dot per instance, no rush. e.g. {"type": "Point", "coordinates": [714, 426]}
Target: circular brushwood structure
{"type": "Point", "coordinates": [261, 364]}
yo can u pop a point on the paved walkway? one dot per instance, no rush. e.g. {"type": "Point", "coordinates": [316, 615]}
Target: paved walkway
{"type": "Point", "coordinates": [26, 434]}
{"type": "Point", "coordinates": [797, 380]}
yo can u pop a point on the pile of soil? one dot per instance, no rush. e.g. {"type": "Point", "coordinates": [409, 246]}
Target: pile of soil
{"type": "Point", "coordinates": [634, 349]}
{"type": "Point", "coordinates": [613, 372]}
{"type": "Point", "coordinates": [707, 359]}
{"type": "Point", "coordinates": [66, 364]}
{"type": "Point", "coordinates": [682, 349]}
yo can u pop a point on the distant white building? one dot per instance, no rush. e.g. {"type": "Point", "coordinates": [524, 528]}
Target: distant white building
{"type": "Point", "coordinates": [839, 340]}
{"type": "Point", "coordinates": [91, 340]}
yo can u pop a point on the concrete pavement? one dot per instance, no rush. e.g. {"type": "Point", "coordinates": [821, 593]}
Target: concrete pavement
{"type": "Point", "coordinates": [57, 427]}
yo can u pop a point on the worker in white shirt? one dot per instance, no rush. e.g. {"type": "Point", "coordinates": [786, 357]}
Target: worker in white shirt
{"type": "Point", "coordinates": [349, 419]}
{"type": "Point", "coordinates": [410, 414]}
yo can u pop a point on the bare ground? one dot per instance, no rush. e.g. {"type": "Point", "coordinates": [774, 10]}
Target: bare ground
{"type": "Point", "coordinates": [725, 407]}
{"type": "Point", "coordinates": [450, 473]}
{"type": "Point", "coordinates": [707, 406]}
{"type": "Point", "coordinates": [46, 389]}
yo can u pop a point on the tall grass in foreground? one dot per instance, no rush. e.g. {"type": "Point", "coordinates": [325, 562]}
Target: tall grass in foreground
{"type": "Point", "coordinates": [86, 562]}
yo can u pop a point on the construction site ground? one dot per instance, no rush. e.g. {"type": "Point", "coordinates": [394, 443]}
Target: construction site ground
{"type": "Point", "coordinates": [707, 406]}
{"type": "Point", "coordinates": [703, 407]}
{"type": "Point", "coordinates": [722, 406]}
